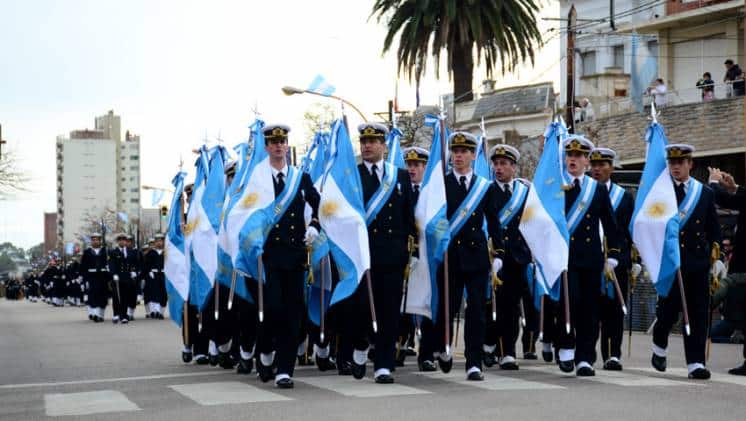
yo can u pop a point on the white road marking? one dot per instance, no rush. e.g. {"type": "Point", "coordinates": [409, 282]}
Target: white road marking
{"type": "Point", "coordinates": [86, 403]}
{"type": "Point", "coordinates": [220, 393]}
{"type": "Point", "coordinates": [491, 381]}
{"type": "Point", "coordinates": [112, 380]}
{"type": "Point", "coordinates": [363, 388]}
{"type": "Point", "coordinates": [617, 378]}
{"type": "Point", "coordinates": [682, 373]}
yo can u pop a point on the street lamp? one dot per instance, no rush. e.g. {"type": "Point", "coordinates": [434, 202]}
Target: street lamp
{"type": "Point", "coordinates": [290, 90]}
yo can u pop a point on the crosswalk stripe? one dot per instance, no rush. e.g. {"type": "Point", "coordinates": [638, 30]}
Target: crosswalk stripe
{"type": "Point", "coordinates": [491, 381]}
{"type": "Point", "coordinates": [683, 373]}
{"type": "Point", "coordinates": [617, 378]}
{"type": "Point", "coordinates": [364, 388]}
{"type": "Point", "coordinates": [220, 393]}
{"type": "Point", "coordinates": [86, 403]}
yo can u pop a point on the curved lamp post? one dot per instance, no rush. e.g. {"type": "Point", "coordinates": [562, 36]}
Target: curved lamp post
{"type": "Point", "coordinates": [290, 90]}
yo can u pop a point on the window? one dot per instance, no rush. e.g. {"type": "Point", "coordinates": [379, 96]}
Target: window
{"type": "Point", "coordinates": [589, 63]}
{"type": "Point", "coordinates": [135, 190]}
{"type": "Point", "coordinates": [133, 168]}
{"type": "Point", "coordinates": [124, 190]}
{"type": "Point", "coordinates": [134, 157]}
{"type": "Point", "coordinates": [134, 200]}
{"type": "Point", "coordinates": [653, 48]}
{"type": "Point", "coordinates": [619, 56]}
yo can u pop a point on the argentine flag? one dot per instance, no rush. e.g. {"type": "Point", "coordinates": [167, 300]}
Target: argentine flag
{"type": "Point", "coordinates": [655, 223]}
{"type": "Point", "coordinates": [432, 230]}
{"type": "Point", "coordinates": [320, 86]}
{"type": "Point", "coordinates": [543, 222]}
{"type": "Point", "coordinates": [342, 213]}
{"type": "Point", "coordinates": [482, 165]}
{"type": "Point", "coordinates": [393, 144]}
{"type": "Point", "coordinates": [193, 217]}
{"type": "Point", "coordinates": [174, 260]}
{"type": "Point", "coordinates": [205, 231]}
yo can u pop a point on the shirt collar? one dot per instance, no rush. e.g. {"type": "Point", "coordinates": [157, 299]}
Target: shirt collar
{"type": "Point", "coordinates": [379, 164]}
{"type": "Point", "coordinates": [283, 170]}
{"type": "Point", "coordinates": [608, 184]}
{"type": "Point", "coordinates": [502, 185]}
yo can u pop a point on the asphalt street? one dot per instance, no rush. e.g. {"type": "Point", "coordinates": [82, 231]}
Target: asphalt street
{"type": "Point", "coordinates": [54, 363]}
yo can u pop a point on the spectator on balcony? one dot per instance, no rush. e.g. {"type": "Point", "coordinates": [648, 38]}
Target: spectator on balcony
{"type": "Point", "coordinates": [734, 78]}
{"type": "Point", "coordinates": [586, 110]}
{"type": "Point", "coordinates": [658, 91]}
{"type": "Point", "coordinates": [707, 85]}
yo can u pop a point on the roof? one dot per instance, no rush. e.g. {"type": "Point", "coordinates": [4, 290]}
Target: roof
{"type": "Point", "coordinates": [517, 100]}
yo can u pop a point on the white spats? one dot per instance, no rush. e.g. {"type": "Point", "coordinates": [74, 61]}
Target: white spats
{"type": "Point", "coordinates": [567, 354]}
{"type": "Point", "coordinates": [220, 393]}
{"type": "Point", "coordinates": [661, 352]}
{"type": "Point", "coordinates": [86, 403]}
{"type": "Point", "coordinates": [360, 357]}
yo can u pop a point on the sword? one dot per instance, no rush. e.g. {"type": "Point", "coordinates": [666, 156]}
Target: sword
{"type": "Point", "coordinates": [610, 274]}
{"type": "Point", "coordinates": [541, 320]}
{"type": "Point", "coordinates": [260, 288]}
{"type": "Point", "coordinates": [326, 267]}
{"type": "Point", "coordinates": [567, 301]}
{"type": "Point", "coordinates": [373, 318]}
{"type": "Point", "coordinates": [496, 281]}
{"type": "Point", "coordinates": [232, 291]}
{"type": "Point", "coordinates": [523, 313]}
{"type": "Point", "coordinates": [216, 292]}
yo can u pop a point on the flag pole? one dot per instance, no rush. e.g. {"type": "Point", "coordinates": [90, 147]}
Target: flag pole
{"type": "Point", "coordinates": [260, 288]}
{"type": "Point", "coordinates": [324, 264]}
{"type": "Point", "coordinates": [446, 292]}
{"type": "Point", "coordinates": [232, 291]}
{"type": "Point", "coordinates": [684, 307]}
{"type": "Point", "coordinates": [541, 320]}
{"type": "Point", "coordinates": [567, 301]}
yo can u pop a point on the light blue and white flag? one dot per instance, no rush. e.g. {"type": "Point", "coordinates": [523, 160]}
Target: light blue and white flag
{"type": "Point", "coordinates": [342, 213]}
{"type": "Point", "coordinates": [432, 231]}
{"type": "Point", "coordinates": [174, 258]}
{"type": "Point", "coordinates": [393, 144]}
{"type": "Point", "coordinates": [320, 86]}
{"type": "Point", "coordinates": [122, 216]}
{"type": "Point", "coordinates": [543, 222]}
{"type": "Point", "coordinates": [481, 164]}
{"type": "Point", "coordinates": [655, 221]}
{"type": "Point", "coordinates": [69, 248]}
{"type": "Point", "coordinates": [205, 232]}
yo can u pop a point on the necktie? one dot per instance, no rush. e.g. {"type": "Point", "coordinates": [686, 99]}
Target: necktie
{"type": "Point", "coordinates": [462, 182]}
{"type": "Point", "coordinates": [280, 181]}
{"type": "Point", "coordinates": [680, 193]}
{"type": "Point", "coordinates": [416, 188]}
{"type": "Point", "coordinates": [576, 184]}
{"type": "Point", "coordinates": [374, 173]}
{"type": "Point", "coordinates": [124, 252]}
{"type": "Point", "coordinates": [506, 189]}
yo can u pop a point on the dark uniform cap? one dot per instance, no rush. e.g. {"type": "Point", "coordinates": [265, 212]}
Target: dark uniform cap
{"type": "Point", "coordinates": [415, 153]}
{"type": "Point", "coordinates": [505, 151]}
{"type": "Point", "coordinates": [679, 150]}
{"type": "Point", "coordinates": [275, 131]}
{"type": "Point", "coordinates": [578, 143]}
{"type": "Point", "coordinates": [121, 236]}
{"type": "Point", "coordinates": [372, 131]}
{"type": "Point", "coordinates": [603, 154]}
{"type": "Point", "coordinates": [463, 140]}
{"type": "Point", "coordinates": [96, 235]}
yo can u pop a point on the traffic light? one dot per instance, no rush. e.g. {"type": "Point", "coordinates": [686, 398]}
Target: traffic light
{"type": "Point", "coordinates": [164, 210]}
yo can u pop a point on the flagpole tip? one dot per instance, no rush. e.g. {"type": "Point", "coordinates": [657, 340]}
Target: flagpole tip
{"type": "Point", "coordinates": [567, 328]}
{"type": "Point", "coordinates": [261, 316]}
{"type": "Point", "coordinates": [624, 310]}
{"type": "Point", "coordinates": [375, 327]}
{"type": "Point", "coordinates": [321, 337]}
{"type": "Point", "coordinates": [688, 330]}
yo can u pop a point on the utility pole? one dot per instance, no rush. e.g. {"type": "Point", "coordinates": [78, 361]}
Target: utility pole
{"type": "Point", "coordinates": [570, 57]}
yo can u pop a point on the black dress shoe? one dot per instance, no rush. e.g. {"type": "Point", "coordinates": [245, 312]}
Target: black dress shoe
{"type": "Point", "coordinates": [530, 356]}
{"type": "Point", "coordinates": [264, 372]}
{"type": "Point", "coordinates": [547, 356]}
{"type": "Point", "coordinates": [488, 359]}
{"type": "Point", "coordinates": [384, 379]}
{"type": "Point", "coordinates": [323, 363]}
{"type": "Point", "coordinates": [613, 365]}
{"type": "Point", "coordinates": [147, 316]}
{"type": "Point", "coordinates": [700, 374]}
{"type": "Point", "coordinates": [115, 321]}
{"type": "Point", "coordinates": [98, 319]}
{"type": "Point", "coordinates": [186, 356]}
{"type": "Point", "coordinates": [427, 366]}
{"type": "Point", "coordinates": [475, 376]}
{"type": "Point", "coordinates": [659, 363]}
{"type": "Point", "coordinates": [124, 320]}
{"type": "Point", "coordinates": [285, 383]}
{"type": "Point", "coordinates": [244, 366]}
{"type": "Point", "coordinates": [401, 355]}
{"type": "Point", "coordinates": [509, 365]}
{"type": "Point", "coordinates": [90, 317]}
{"type": "Point", "coordinates": [343, 368]}
{"type": "Point", "coordinates": [213, 360]}
{"type": "Point", "coordinates": [567, 366]}
{"type": "Point", "coordinates": [226, 361]}
{"type": "Point", "coordinates": [445, 366]}
{"type": "Point", "coordinates": [303, 360]}
{"type": "Point", "coordinates": [410, 352]}
{"type": "Point", "coordinates": [586, 372]}
{"type": "Point", "coordinates": [202, 360]}
{"type": "Point", "coordinates": [738, 371]}
{"type": "Point", "coordinates": [357, 370]}
{"type": "Point", "coordinates": [371, 354]}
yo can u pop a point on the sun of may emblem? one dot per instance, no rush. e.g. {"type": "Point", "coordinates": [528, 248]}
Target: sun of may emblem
{"type": "Point", "coordinates": [250, 200]}
{"type": "Point", "coordinates": [656, 210]}
{"type": "Point", "coordinates": [528, 214]}
{"type": "Point", "coordinates": [189, 227]}
{"type": "Point", "coordinates": [329, 208]}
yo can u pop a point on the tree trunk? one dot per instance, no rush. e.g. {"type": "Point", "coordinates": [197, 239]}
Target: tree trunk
{"type": "Point", "coordinates": [463, 73]}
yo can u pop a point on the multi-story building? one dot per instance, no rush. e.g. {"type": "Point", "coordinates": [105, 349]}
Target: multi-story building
{"type": "Point", "coordinates": [50, 232]}
{"type": "Point", "coordinates": [97, 172]}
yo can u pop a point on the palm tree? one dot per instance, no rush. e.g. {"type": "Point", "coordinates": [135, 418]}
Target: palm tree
{"type": "Point", "coordinates": [501, 30]}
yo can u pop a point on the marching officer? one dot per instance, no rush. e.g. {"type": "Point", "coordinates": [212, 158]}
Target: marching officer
{"type": "Point", "coordinates": [154, 291]}
{"type": "Point", "coordinates": [470, 200]}
{"type": "Point", "coordinates": [284, 260]}
{"type": "Point", "coordinates": [610, 312]}
{"type": "Point", "coordinates": [511, 193]}
{"type": "Point", "coordinates": [54, 278]}
{"type": "Point", "coordinates": [123, 266]}
{"type": "Point", "coordinates": [587, 208]}
{"type": "Point", "coordinates": [387, 194]}
{"type": "Point", "coordinates": [137, 295]}
{"type": "Point", "coordinates": [95, 272]}
{"type": "Point", "coordinates": [416, 160]}
{"type": "Point", "coordinates": [698, 232]}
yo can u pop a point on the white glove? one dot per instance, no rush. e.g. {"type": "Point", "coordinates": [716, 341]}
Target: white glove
{"type": "Point", "coordinates": [413, 260]}
{"type": "Point", "coordinates": [497, 264]}
{"type": "Point", "coordinates": [152, 276]}
{"type": "Point", "coordinates": [612, 263]}
{"type": "Point", "coordinates": [139, 299]}
{"type": "Point", "coordinates": [85, 297]}
{"type": "Point", "coordinates": [718, 270]}
{"type": "Point", "coordinates": [311, 235]}
{"type": "Point", "coordinates": [82, 288]}
{"type": "Point", "coordinates": [133, 275]}
{"type": "Point", "coordinates": [636, 270]}
{"type": "Point", "coordinates": [115, 277]}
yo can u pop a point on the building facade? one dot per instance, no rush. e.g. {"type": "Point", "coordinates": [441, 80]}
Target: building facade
{"type": "Point", "coordinates": [98, 172]}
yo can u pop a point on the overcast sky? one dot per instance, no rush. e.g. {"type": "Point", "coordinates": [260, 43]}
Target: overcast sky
{"type": "Point", "coordinates": [176, 71]}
